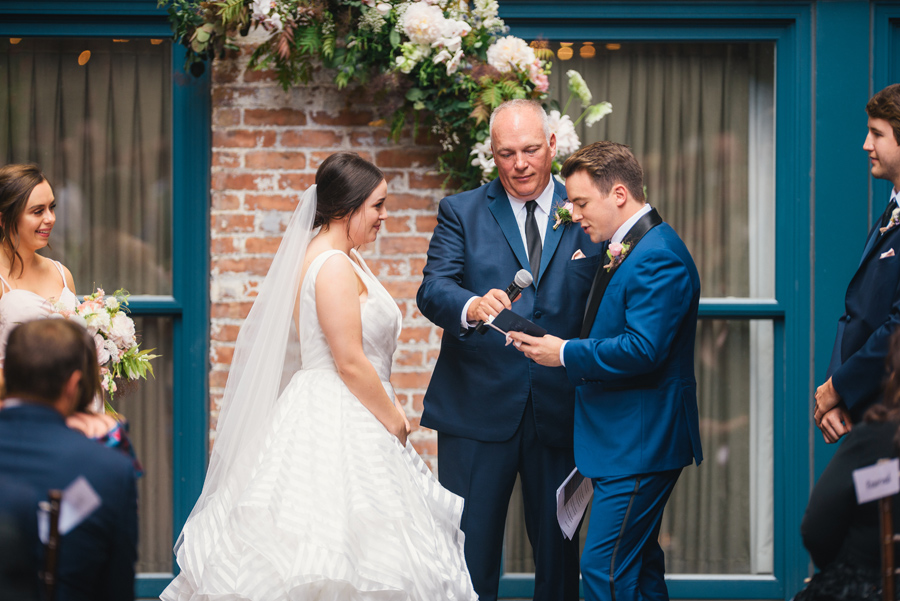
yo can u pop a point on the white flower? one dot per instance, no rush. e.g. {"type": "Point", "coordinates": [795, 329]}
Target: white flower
{"type": "Point", "coordinates": [423, 23]}
{"type": "Point", "coordinates": [113, 351]}
{"type": "Point", "coordinates": [384, 8]}
{"type": "Point", "coordinates": [441, 56]}
{"type": "Point", "coordinates": [410, 57]}
{"type": "Point", "coordinates": [510, 53]}
{"type": "Point", "coordinates": [97, 321]}
{"type": "Point", "coordinates": [111, 302]}
{"type": "Point", "coordinates": [453, 63]}
{"type": "Point", "coordinates": [484, 158]}
{"type": "Point", "coordinates": [103, 355]}
{"type": "Point", "coordinates": [597, 112]}
{"type": "Point", "coordinates": [567, 140]}
{"type": "Point", "coordinates": [578, 87]}
{"type": "Point", "coordinates": [78, 319]}
{"type": "Point", "coordinates": [265, 12]}
{"type": "Point", "coordinates": [122, 330]}
{"type": "Point", "coordinates": [486, 9]}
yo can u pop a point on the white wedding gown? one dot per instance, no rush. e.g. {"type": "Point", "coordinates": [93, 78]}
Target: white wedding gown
{"type": "Point", "coordinates": [335, 509]}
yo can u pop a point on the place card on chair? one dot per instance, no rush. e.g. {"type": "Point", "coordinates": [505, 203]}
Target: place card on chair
{"type": "Point", "coordinates": [877, 481]}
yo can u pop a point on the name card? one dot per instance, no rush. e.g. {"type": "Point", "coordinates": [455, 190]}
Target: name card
{"type": "Point", "coordinates": [877, 481]}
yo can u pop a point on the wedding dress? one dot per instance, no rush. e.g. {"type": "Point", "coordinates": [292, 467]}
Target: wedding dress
{"type": "Point", "coordinates": [333, 507]}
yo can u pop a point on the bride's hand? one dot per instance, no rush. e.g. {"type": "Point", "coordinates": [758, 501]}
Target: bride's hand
{"type": "Point", "coordinates": [401, 430]}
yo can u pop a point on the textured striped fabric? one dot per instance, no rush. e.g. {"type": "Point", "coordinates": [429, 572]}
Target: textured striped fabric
{"type": "Point", "coordinates": [334, 507]}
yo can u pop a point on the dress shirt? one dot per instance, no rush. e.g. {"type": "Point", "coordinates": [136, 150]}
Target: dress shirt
{"type": "Point", "coordinates": [617, 237]}
{"type": "Point", "coordinates": [541, 215]}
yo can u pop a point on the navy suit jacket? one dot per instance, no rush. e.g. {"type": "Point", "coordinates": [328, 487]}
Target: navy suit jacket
{"type": "Point", "coordinates": [96, 558]}
{"type": "Point", "coordinates": [872, 311]}
{"type": "Point", "coordinates": [636, 400]}
{"type": "Point", "coordinates": [480, 387]}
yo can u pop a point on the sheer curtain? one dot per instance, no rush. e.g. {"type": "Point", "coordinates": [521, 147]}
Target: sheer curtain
{"type": "Point", "coordinates": [95, 115]}
{"type": "Point", "coordinates": [700, 119]}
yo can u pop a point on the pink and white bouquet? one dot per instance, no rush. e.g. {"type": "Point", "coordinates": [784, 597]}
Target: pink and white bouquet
{"type": "Point", "coordinates": [118, 353]}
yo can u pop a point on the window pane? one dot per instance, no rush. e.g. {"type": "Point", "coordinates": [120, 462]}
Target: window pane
{"type": "Point", "coordinates": [95, 115]}
{"type": "Point", "coordinates": [148, 407]}
{"type": "Point", "coordinates": [700, 119]}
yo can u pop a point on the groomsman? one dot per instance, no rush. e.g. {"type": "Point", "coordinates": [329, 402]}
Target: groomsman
{"type": "Point", "coordinates": [872, 303]}
{"type": "Point", "coordinates": [498, 414]}
{"type": "Point", "coordinates": [636, 417]}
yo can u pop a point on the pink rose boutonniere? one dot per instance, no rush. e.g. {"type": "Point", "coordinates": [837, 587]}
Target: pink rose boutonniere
{"type": "Point", "coordinates": [616, 253]}
{"type": "Point", "coordinates": [563, 214]}
{"type": "Point", "coordinates": [895, 219]}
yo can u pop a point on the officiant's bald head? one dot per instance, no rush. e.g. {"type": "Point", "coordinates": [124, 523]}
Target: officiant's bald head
{"type": "Point", "coordinates": [523, 148]}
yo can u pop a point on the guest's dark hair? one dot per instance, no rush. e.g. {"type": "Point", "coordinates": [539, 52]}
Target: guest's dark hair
{"type": "Point", "coordinates": [608, 164]}
{"type": "Point", "coordinates": [42, 355]}
{"type": "Point", "coordinates": [343, 183]}
{"type": "Point", "coordinates": [886, 105]}
{"type": "Point", "coordinates": [17, 182]}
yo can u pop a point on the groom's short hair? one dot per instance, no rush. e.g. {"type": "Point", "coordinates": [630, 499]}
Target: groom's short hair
{"type": "Point", "coordinates": [608, 164]}
{"type": "Point", "coordinates": [886, 105]}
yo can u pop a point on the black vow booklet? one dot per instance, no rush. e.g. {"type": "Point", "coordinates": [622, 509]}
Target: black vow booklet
{"type": "Point", "coordinates": [507, 321]}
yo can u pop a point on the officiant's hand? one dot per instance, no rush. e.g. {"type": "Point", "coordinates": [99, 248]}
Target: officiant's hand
{"type": "Point", "coordinates": [487, 306]}
{"type": "Point", "coordinates": [543, 350]}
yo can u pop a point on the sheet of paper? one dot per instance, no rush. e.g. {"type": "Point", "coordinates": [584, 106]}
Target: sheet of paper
{"type": "Point", "coordinates": [572, 499]}
{"type": "Point", "coordinates": [877, 481]}
{"type": "Point", "coordinates": [79, 500]}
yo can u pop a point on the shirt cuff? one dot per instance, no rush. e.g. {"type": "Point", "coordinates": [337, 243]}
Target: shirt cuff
{"type": "Point", "coordinates": [562, 352]}
{"type": "Point", "coordinates": [463, 322]}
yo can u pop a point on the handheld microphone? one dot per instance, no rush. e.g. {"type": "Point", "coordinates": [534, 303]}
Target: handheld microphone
{"type": "Point", "coordinates": [522, 281]}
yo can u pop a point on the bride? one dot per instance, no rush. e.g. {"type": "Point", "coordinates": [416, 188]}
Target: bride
{"type": "Point", "coordinates": [313, 491]}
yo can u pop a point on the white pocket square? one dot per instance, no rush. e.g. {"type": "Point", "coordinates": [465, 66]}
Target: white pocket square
{"type": "Point", "coordinates": [886, 254]}
{"type": "Point", "coordinates": [578, 255]}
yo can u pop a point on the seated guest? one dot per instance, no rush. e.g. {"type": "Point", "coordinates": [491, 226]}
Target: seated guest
{"type": "Point", "coordinates": [842, 537]}
{"type": "Point", "coordinates": [50, 368]}
{"type": "Point", "coordinates": [19, 544]}
{"type": "Point", "coordinates": [111, 432]}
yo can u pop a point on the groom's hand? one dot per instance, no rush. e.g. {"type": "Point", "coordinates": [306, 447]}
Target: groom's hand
{"type": "Point", "coordinates": [487, 306]}
{"type": "Point", "coordinates": [543, 350]}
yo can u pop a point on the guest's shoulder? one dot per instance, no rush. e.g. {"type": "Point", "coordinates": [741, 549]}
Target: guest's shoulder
{"type": "Point", "coordinates": [95, 456]}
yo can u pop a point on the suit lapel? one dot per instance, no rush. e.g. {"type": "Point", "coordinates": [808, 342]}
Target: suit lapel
{"type": "Point", "coordinates": [874, 241]}
{"type": "Point", "coordinates": [502, 212]}
{"type": "Point", "coordinates": [603, 275]}
{"type": "Point", "coordinates": [551, 236]}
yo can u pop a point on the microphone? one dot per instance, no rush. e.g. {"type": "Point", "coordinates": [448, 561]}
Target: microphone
{"type": "Point", "coordinates": [522, 281]}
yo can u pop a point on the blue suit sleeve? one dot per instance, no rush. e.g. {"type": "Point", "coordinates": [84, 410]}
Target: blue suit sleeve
{"type": "Point", "coordinates": [441, 296]}
{"type": "Point", "coordinates": [860, 377]}
{"type": "Point", "coordinates": [657, 299]}
{"type": "Point", "coordinates": [119, 584]}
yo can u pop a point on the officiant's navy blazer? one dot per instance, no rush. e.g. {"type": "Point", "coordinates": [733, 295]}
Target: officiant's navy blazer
{"type": "Point", "coordinates": [636, 397]}
{"type": "Point", "coordinates": [872, 312]}
{"type": "Point", "coordinates": [480, 387]}
{"type": "Point", "coordinates": [96, 558]}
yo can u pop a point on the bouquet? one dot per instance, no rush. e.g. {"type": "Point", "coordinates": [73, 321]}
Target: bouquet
{"type": "Point", "coordinates": [118, 353]}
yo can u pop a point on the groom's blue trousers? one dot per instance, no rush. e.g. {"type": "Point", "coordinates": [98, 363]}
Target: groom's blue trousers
{"type": "Point", "coordinates": [484, 474]}
{"type": "Point", "coordinates": [622, 559]}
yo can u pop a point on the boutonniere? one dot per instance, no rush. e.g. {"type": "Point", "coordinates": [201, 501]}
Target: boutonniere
{"type": "Point", "coordinates": [895, 219]}
{"type": "Point", "coordinates": [563, 214]}
{"type": "Point", "coordinates": [616, 253]}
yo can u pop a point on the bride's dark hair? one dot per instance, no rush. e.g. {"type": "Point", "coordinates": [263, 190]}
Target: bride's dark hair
{"type": "Point", "coordinates": [343, 183]}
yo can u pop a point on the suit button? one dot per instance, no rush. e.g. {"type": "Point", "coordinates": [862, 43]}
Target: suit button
{"type": "Point", "coordinates": [537, 314]}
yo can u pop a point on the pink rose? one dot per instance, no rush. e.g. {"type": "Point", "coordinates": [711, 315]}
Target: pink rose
{"type": "Point", "coordinates": [615, 249]}
{"type": "Point", "coordinates": [569, 207]}
{"type": "Point", "coordinates": [538, 77]}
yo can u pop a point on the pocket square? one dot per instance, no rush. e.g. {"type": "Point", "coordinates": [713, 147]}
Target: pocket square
{"type": "Point", "coordinates": [886, 254]}
{"type": "Point", "coordinates": [578, 255]}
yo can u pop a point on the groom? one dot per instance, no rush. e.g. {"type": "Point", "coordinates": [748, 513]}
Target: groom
{"type": "Point", "coordinates": [636, 418]}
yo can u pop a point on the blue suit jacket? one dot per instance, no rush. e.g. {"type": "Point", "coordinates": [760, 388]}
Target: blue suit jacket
{"type": "Point", "coordinates": [96, 558]}
{"type": "Point", "coordinates": [872, 311]}
{"type": "Point", "coordinates": [480, 387]}
{"type": "Point", "coordinates": [636, 401]}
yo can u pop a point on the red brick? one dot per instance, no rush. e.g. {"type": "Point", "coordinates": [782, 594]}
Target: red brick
{"type": "Point", "coordinates": [311, 138]}
{"type": "Point", "coordinates": [221, 246]}
{"type": "Point", "coordinates": [426, 224]}
{"type": "Point", "coordinates": [296, 181]}
{"type": "Point", "coordinates": [271, 159]}
{"type": "Point", "coordinates": [407, 157]}
{"type": "Point", "coordinates": [232, 310]}
{"type": "Point", "coordinates": [415, 334]}
{"type": "Point", "coordinates": [270, 202]}
{"type": "Point", "coordinates": [370, 137]}
{"type": "Point", "coordinates": [425, 446]}
{"type": "Point", "coordinates": [224, 333]}
{"type": "Point", "coordinates": [403, 202]}
{"type": "Point", "coordinates": [232, 223]}
{"type": "Point", "coordinates": [221, 355]}
{"type": "Point", "coordinates": [223, 201]}
{"type": "Point", "coordinates": [344, 117]}
{"type": "Point", "coordinates": [259, 246]}
{"type": "Point", "coordinates": [224, 71]}
{"type": "Point", "coordinates": [283, 116]}
{"type": "Point", "coordinates": [384, 267]}
{"type": "Point", "coordinates": [226, 117]}
{"type": "Point", "coordinates": [410, 379]}
{"type": "Point", "coordinates": [242, 138]}
{"type": "Point", "coordinates": [230, 96]}
{"type": "Point", "coordinates": [228, 160]}
{"type": "Point", "coordinates": [408, 358]}
{"type": "Point", "coordinates": [317, 157]}
{"type": "Point", "coordinates": [431, 356]}
{"type": "Point", "coordinates": [396, 225]}
{"type": "Point", "coordinates": [427, 180]}
{"type": "Point", "coordinates": [401, 289]}
{"type": "Point", "coordinates": [418, 403]}
{"type": "Point", "coordinates": [254, 76]}
{"type": "Point", "coordinates": [415, 267]}
{"type": "Point", "coordinates": [402, 245]}
{"type": "Point", "coordinates": [254, 266]}
{"type": "Point", "coordinates": [414, 424]}
{"type": "Point", "coordinates": [217, 379]}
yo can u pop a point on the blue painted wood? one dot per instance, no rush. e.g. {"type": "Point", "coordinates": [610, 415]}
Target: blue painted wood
{"type": "Point", "coordinates": [740, 309]}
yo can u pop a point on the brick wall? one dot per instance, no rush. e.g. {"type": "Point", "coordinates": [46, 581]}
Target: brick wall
{"type": "Point", "coordinates": [266, 146]}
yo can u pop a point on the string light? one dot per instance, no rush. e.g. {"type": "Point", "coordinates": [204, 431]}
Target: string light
{"type": "Point", "coordinates": [14, 41]}
{"type": "Point", "coordinates": [565, 51]}
{"type": "Point", "coordinates": [587, 50]}
{"type": "Point", "coordinates": [84, 57]}
{"type": "Point", "coordinates": [613, 46]}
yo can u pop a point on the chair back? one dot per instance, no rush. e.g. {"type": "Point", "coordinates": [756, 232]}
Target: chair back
{"type": "Point", "coordinates": [51, 549]}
